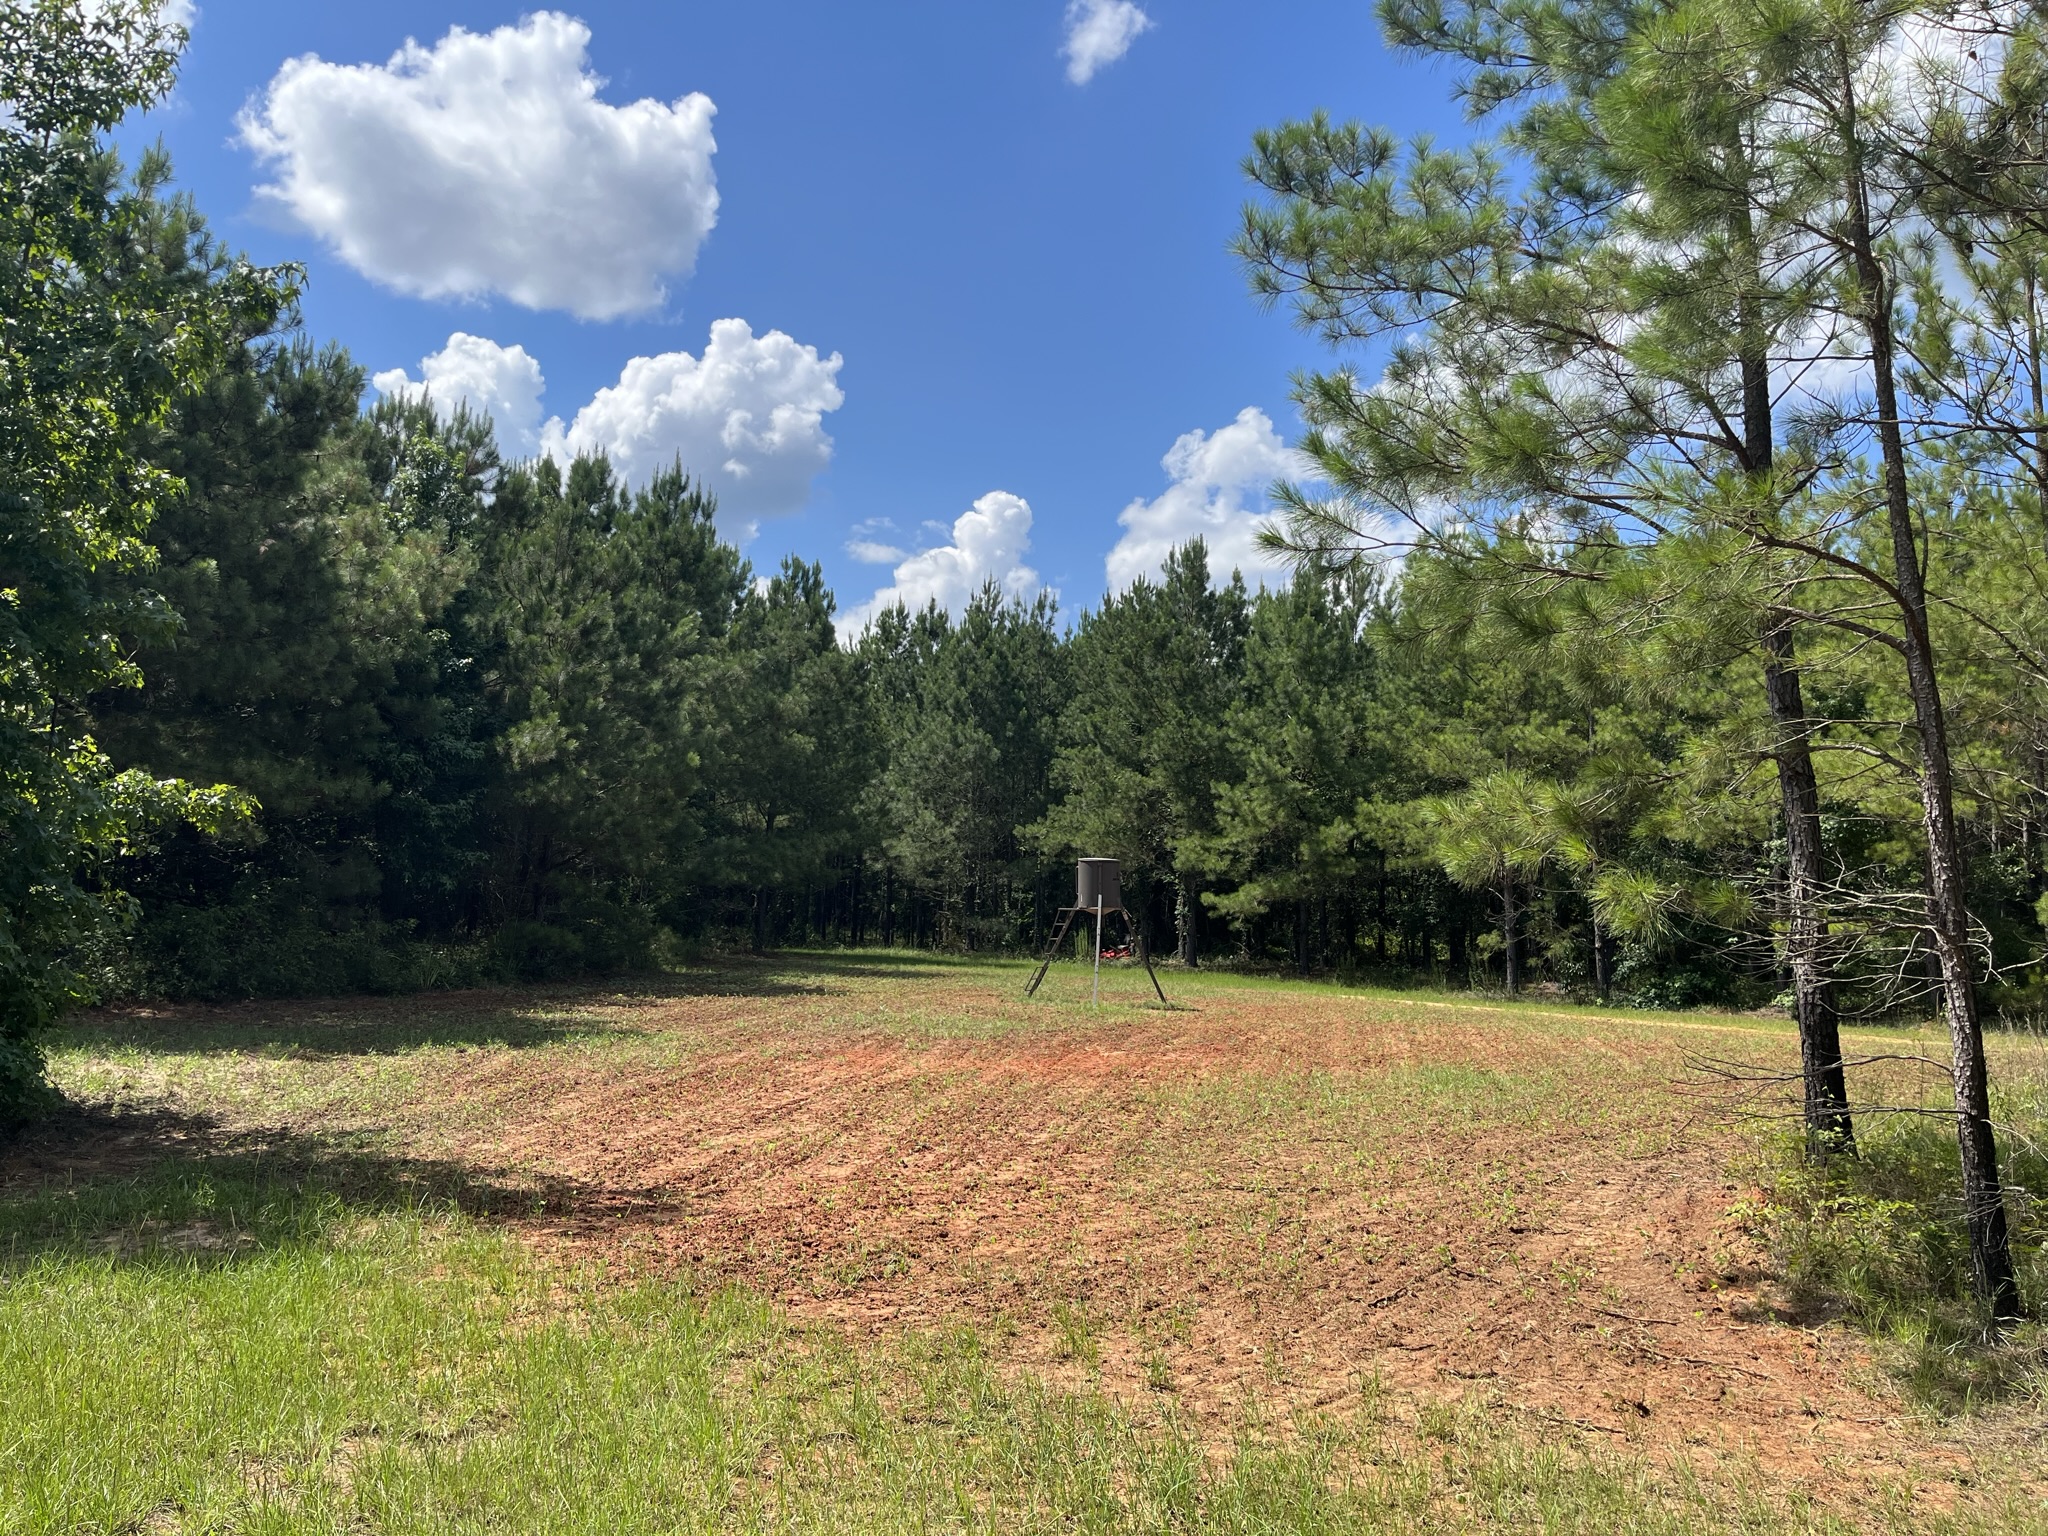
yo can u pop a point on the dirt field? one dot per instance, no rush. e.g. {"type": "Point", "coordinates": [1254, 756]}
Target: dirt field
{"type": "Point", "coordinates": [1273, 1196]}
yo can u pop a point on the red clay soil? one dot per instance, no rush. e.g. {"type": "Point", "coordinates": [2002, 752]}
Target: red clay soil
{"type": "Point", "coordinates": [1272, 1198]}
{"type": "Point", "coordinates": [1259, 1200]}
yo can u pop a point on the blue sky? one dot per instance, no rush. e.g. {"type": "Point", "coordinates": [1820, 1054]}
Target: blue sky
{"type": "Point", "coordinates": [1012, 234]}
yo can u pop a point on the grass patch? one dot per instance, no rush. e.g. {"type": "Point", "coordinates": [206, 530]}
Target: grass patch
{"type": "Point", "coordinates": [332, 1370]}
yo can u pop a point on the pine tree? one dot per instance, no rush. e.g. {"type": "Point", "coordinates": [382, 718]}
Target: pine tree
{"type": "Point", "coordinates": [1143, 743]}
{"type": "Point", "coordinates": [599, 628]}
{"type": "Point", "coordinates": [1708, 193]}
{"type": "Point", "coordinates": [968, 715]}
{"type": "Point", "coordinates": [786, 760]}
{"type": "Point", "coordinates": [302, 586]}
{"type": "Point", "coordinates": [1303, 734]}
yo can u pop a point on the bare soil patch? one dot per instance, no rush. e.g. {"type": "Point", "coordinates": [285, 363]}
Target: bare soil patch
{"type": "Point", "coordinates": [1269, 1197]}
{"type": "Point", "coordinates": [1277, 1197]}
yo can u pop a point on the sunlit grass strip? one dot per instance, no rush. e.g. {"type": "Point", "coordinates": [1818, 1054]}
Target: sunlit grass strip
{"type": "Point", "coordinates": [192, 1357]}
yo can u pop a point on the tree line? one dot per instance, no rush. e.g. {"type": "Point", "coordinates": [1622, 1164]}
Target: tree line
{"type": "Point", "coordinates": [1667, 621]}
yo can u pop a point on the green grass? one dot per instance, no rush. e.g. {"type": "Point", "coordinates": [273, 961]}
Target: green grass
{"type": "Point", "coordinates": [303, 1316]}
{"type": "Point", "coordinates": [191, 1354]}
{"type": "Point", "coordinates": [1879, 1238]}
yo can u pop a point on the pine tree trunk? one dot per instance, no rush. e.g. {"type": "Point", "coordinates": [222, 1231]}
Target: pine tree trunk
{"type": "Point", "coordinates": [1184, 899]}
{"type": "Point", "coordinates": [1828, 1124]}
{"type": "Point", "coordinates": [1991, 1263]}
{"type": "Point", "coordinates": [1603, 962]}
{"type": "Point", "coordinates": [760, 919]}
{"type": "Point", "coordinates": [1826, 1087]}
{"type": "Point", "coordinates": [2040, 396]}
{"type": "Point", "coordinates": [1511, 935]}
{"type": "Point", "coordinates": [1379, 909]}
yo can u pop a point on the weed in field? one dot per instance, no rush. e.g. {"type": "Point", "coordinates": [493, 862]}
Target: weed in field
{"type": "Point", "coordinates": [1438, 1421]}
{"type": "Point", "coordinates": [1158, 1370]}
{"type": "Point", "coordinates": [1075, 1336]}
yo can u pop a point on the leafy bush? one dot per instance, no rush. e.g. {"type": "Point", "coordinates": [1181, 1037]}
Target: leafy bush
{"type": "Point", "coordinates": [590, 937]}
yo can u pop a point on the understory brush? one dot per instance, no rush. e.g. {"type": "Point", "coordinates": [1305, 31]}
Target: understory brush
{"type": "Point", "coordinates": [280, 948]}
{"type": "Point", "coordinates": [1878, 1238]}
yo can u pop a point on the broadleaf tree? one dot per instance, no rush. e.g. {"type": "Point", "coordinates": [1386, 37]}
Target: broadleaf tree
{"type": "Point", "coordinates": [99, 333]}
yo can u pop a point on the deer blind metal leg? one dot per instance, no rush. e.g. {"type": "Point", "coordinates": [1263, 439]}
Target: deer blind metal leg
{"type": "Point", "coordinates": [1145, 954]}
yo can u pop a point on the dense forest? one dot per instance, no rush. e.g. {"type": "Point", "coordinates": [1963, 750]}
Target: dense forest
{"type": "Point", "coordinates": [521, 720]}
{"type": "Point", "coordinates": [1668, 624]}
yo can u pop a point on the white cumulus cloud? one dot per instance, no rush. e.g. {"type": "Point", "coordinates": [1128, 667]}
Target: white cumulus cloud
{"type": "Point", "coordinates": [1099, 32]}
{"type": "Point", "coordinates": [988, 544]}
{"type": "Point", "coordinates": [868, 552]}
{"type": "Point", "coordinates": [746, 419]}
{"type": "Point", "coordinates": [1218, 494]}
{"type": "Point", "coordinates": [486, 164]}
{"type": "Point", "coordinates": [503, 383]}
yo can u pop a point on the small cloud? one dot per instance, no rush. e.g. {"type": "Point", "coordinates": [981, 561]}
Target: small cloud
{"type": "Point", "coordinates": [1099, 32]}
{"type": "Point", "coordinates": [503, 383]}
{"type": "Point", "coordinates": [868, 552]}
{"type": "Point", "coordinates": [1218, 492]}
{"type": "Point", "coordinates": [747, 418]}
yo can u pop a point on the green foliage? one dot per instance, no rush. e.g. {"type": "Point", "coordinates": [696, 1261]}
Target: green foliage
{"type": "Point", "coordinates": [790, 754]}
{"type": "Point", "coordinates": [110, 307]}
{"type": "Point", "coordinates": [1878, 1237]}
{"type": "Point", "coordinates": [1144, 740]}
{"type": "Point", "coordinates": [1302, 729]}
{"type": "Point", "coordinates": [967, 715]}
{"type": "Point", "coordinates": [595, 628]}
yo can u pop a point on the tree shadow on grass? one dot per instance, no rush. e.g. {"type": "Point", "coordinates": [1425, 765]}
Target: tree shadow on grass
{"type": "Point", "coordinates": [345, 1027]}
{"type": "Point", "coordinates": [160, 1187]}
{"type": "Point", "coordinates": [512, 1017]}
{"type": "Point", "coordinates": [885, 964]}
